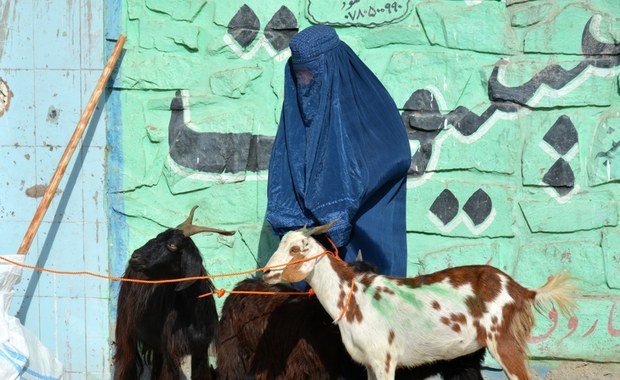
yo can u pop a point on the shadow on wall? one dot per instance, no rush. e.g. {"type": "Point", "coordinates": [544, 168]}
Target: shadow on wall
{"type": "Point", "coordinates": [66, 194]}
{"type": "Point", "coordinates": [267, 244]}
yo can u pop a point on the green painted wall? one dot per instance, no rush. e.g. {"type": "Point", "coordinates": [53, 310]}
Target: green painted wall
{"type": "Point", "coordinates": [515, 102]}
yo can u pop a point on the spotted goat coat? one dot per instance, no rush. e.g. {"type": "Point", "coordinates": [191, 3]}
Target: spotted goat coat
{"type": "Point", "coordinates": [389, 322]}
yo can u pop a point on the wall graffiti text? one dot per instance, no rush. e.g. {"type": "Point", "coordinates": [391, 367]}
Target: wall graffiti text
{"type": "Point", "coordinates": [359, 12]}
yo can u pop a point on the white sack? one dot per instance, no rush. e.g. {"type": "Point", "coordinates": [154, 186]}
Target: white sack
{"type": "Point", "coordinates": [22, 356]}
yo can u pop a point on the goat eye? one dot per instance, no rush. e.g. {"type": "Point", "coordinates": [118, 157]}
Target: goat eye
{"type": "Point", "coordinates": [171, 246]}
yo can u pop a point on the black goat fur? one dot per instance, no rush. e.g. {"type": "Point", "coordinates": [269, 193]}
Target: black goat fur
{"type": "Point", "coordinates": [157, 325]}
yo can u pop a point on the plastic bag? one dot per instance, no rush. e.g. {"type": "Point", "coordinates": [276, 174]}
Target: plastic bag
{"type": "Point", "coordinates": [22, 355]}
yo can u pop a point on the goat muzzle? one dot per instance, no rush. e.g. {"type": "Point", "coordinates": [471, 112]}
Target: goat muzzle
{"type": "Point", "coordinates": [190, 229]}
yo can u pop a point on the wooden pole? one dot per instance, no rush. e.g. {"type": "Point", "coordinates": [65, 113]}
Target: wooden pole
{"type": "Point", "coordinates": [73, 143]}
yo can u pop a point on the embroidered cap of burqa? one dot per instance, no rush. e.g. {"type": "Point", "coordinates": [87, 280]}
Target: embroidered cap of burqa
{"type": "Point", "coordinates": [340, 153]}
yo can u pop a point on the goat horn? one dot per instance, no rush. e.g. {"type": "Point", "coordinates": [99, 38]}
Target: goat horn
{"type": "Point", "coordinates": [320, 229]}
{"type": "Point", "coordinates": [189, 229]}
{"type": "Point", "coordinates": [359, 255]}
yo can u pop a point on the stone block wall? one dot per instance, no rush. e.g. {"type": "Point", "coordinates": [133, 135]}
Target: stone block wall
{"type": "Point", "coordinates": [512, 110]}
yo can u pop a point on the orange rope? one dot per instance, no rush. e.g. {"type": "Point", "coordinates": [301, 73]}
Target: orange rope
{"type": "Point", "coordinates": [219, 292]}
{"type": "Point", "coordinates": [350, 295]}
{"type": "Point", "coordinates": [335, 253]}
{"type": "Point", "coordinates": [172, 280]}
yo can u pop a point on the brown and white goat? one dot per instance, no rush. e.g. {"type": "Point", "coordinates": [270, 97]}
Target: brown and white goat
{"type": "Point", "coordinates": [288, 336]}
{"type": "Point", "coordinates": [388, 322]}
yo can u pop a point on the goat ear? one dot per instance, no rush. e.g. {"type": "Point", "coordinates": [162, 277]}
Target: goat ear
{"type": "Point", "coordinates": [319, 229]}
{"type": "Point", "coordinates": [191, 265]}
{"type": "Point", "coordinates": [184, 285]}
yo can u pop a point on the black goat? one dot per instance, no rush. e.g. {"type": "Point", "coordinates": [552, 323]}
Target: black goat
{"type": "Point", "coordinates": [256, 336]}
{"type": "Point", "coordinates": [292, 337]}
{"type": "Point", "coordinates": [158, 325]}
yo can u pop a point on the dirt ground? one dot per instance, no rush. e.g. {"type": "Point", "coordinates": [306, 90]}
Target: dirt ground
{"type": "Point", "coordinates": [582, 371]}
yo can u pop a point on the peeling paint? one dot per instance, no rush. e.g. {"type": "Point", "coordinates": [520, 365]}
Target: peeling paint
{"type": "Point", "coordinates": [38, 191]}
{"type": "Point", "coordinates": [53, 114]}
{"type": "Point", "coordinates": [4, 27]}
{"type": "Point", "coordinates": [5, 96]}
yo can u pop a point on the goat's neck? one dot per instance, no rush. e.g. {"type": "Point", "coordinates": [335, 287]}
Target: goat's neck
{"type": "Point", "coordinates": [330, 277]}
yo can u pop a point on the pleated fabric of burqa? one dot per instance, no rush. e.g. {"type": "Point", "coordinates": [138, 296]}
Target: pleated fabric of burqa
{"type": "Point", "coordinates": [341, 153]}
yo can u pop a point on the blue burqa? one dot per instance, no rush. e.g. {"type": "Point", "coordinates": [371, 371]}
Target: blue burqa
{"type": "Point", "coordinates": [340, 153]}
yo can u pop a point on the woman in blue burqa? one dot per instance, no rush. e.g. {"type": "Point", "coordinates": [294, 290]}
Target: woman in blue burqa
{"type": "Point", "coordinates": [340, 153]}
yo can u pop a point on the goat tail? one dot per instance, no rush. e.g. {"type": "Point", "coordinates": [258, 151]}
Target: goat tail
{"type": "Point", "coordinates": [558, 292]}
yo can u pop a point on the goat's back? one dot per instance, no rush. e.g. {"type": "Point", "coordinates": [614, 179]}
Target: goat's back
{"type": "Point", "coordinates": [277, 336]}
{"type": "Point", "coordinates": [291, 337]}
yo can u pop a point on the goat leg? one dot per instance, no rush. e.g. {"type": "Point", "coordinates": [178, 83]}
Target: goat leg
{"type": "Point", "coordinates": [200, 366]}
